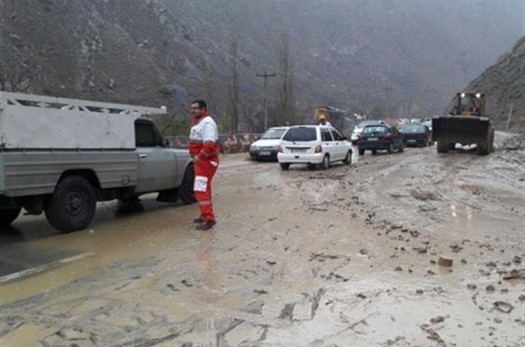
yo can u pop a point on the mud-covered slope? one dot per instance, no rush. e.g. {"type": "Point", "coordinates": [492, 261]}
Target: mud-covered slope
{"type": "Point", "coordinates": [504, 83]}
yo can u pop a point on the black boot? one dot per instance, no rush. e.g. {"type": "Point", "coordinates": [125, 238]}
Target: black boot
{"type": "Point", "coordinates": [206, 225]}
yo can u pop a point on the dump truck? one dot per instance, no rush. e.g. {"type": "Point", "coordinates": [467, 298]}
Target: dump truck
{"type": "Point", "coordinates": [335, 116]}
{"type": "Point", "coordinates": [466, 123]}
{"type": "Point", "coordinates": [60, 156]}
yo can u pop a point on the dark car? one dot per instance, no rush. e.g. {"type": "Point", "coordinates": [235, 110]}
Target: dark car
{"type": "Point", "coordinates": [380, 137]}
{"type": "Point", "coordinates": [416, 135]}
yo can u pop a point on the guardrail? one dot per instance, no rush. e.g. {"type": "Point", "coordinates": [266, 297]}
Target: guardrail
{"type": "Point", "coordinates": [235, 143]}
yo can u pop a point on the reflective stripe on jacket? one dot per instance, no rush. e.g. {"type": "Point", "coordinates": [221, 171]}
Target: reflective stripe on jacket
{"type": "Point", "coordinates": [204, 139]}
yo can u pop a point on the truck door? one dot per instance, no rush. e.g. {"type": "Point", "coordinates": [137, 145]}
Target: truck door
{"type": "Point", "coordinates": [157, 164]}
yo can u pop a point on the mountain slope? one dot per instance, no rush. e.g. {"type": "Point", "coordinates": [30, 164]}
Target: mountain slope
{"type": "Point", "coordinates": [504, 83]}
{"type": "Point", "coordinates": [383, 57]}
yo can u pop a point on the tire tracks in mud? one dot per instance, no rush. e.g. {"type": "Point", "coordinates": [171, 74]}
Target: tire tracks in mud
{"type": "Point", "coordinates": [353, 190]}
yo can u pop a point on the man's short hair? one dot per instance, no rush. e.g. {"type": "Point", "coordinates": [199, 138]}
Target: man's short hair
{"type": "Point", "coordinates": [202, 103]}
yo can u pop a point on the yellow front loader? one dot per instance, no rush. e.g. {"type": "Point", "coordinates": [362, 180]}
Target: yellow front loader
{"type": "Point", "coordinates": [466, 124]}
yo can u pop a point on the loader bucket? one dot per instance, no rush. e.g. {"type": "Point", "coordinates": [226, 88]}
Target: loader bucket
{"type": "Point", "coordinates": [449, 130]}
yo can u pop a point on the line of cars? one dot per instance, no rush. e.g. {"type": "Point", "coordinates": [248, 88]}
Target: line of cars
{"type": "Point", "coordinates": [319, 146]}
{"type": "Point", "coordinates": [313, 145]}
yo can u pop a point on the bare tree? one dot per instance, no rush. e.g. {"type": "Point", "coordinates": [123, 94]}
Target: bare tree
{"type": "Point", "coordinates": [233, 87]}
{"type": "Point", "coordinates": [286, 103]}
{"type": "Point", "coordinates": [14, 77]}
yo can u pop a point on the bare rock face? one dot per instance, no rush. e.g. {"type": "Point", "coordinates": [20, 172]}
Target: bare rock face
{"type": "Point", "coordinates": [505, 87]}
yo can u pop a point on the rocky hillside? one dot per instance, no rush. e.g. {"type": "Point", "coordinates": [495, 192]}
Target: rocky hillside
{"type": "Point", "coordinates": [385, 58]}
{"type": "Point", "coordinates": [504, 83]}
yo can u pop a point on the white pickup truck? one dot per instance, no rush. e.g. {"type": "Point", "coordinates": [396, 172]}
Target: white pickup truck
{"type": "Point", "coordinates": [60, 156]}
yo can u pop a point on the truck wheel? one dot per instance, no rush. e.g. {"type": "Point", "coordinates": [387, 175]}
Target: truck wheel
{"type": "Point", "coordinates": [186, 193]}
{"type": "Point", "coordinates": [7, 216]}
{"type": "Point", "coordinates": [72, 205]}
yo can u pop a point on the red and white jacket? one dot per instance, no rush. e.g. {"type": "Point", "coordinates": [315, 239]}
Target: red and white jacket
{"type": "Point", "coordinates": [204, 139]}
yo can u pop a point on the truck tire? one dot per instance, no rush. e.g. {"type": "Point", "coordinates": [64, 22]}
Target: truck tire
{"type": "Point", "coordinates": [72, 205]}
{"type": "Point", "coordinates": [7, 216]}
{"type": "Point", "coordinates": [186, 193]}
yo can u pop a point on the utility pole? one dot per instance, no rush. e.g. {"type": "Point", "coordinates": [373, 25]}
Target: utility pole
{"type": "Point", "coordinates": [265, 104]}
{"type": "Point", "coordinates": [510, 115]}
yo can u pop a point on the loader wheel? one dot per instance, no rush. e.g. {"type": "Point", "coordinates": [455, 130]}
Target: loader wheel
{"type": "Point", "coordinates": [483, 148]}
{"type": "Point", "coordinates": [442, 147]}
{"type": "Point", "coordinates": [185, 191]}
{"type": "Point", "coordinates": [72, 205]}
{"type": "Point", "coordinates": [7, 216]}
{"type": "Point", "coordinates": [491, 140]}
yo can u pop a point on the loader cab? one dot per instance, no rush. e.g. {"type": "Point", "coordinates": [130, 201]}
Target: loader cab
{"type": "Point", "coordinates": [469, 104]}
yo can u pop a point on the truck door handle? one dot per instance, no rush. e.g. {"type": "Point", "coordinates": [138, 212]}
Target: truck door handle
{"type": "Point", "coordinates": [143, 156]}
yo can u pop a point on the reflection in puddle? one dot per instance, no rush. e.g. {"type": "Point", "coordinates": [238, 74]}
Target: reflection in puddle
{"type": "Point", "coordinates": [462, 217]}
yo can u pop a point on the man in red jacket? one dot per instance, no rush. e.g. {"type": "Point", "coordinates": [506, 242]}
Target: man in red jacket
{"type": "Point", "coordinates": [204, 148]}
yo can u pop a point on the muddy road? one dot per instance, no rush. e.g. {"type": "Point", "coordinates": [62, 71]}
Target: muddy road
{"type": "Point", "coordinates": [344, 257]}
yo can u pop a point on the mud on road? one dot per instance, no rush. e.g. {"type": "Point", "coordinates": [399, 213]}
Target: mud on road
{"type": "Point", "coordinates": [344, 257]}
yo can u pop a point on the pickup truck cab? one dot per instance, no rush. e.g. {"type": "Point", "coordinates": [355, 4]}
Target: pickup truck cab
{"type": "Point", "coordinates": [60, 156]}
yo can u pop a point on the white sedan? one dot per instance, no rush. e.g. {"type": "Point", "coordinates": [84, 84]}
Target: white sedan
{"type": "Point", "coordinates": [313, 145]}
